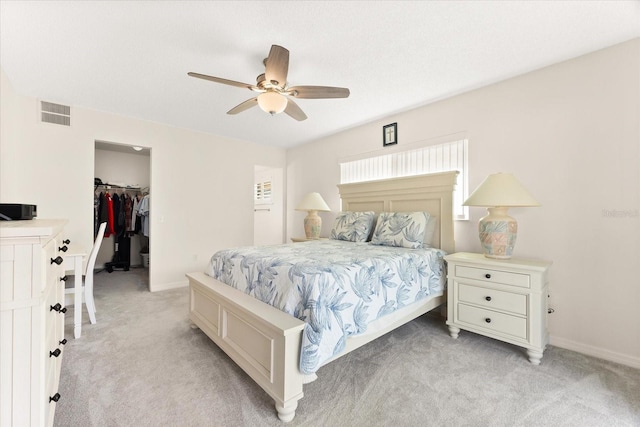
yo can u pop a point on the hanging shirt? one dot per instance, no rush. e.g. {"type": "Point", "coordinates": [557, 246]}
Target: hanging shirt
{"type": "Point", "coordinates": [134, 214]}
{"type": "Point", "coordinates": [110, 220]}
{"type": "Point", "coordinates": [116, 211]}
{"type": "Point", "coordinates": [143, 209]}
{"type": "Point", "coordinates": [128, 205]}
{"type": "Point", "coordinates": [96, 214]}
{"type": "Point", "coordinates": [103, 214]}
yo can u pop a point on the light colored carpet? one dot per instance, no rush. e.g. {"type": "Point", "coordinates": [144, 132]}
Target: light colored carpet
{"type": "Point", "coordinates": [142, 365]}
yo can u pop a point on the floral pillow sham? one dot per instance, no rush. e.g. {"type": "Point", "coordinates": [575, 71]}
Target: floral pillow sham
{"type": "Point", "coordinates": [353, 226]}
{"type": "Point", "coordinates": [403, 229]}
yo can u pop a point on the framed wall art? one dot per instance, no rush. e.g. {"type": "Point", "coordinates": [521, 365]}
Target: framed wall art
{"type": "Point", "coordinates": [390, 134]}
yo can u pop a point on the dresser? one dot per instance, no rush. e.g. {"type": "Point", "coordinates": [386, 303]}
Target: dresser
{"type": "Point", "coordinates": [501, 299]}
{"type": "Point", "coordinates": [31, 320]}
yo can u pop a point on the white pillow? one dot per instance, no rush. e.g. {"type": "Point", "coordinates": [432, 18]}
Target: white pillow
{"type": "Point", "coordinates": [430, 232]}
{"type": "Point", "coordinates": [404, 229]}
{"type": "Point", "coordinates": [353, 226]}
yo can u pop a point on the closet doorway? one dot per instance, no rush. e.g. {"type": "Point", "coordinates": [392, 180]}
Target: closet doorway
{"type": "Point", "coordinates": [124, 173]}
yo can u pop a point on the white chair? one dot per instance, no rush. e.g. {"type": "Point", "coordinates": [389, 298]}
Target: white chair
{"type": "Point", "coordinates": [87, 284]}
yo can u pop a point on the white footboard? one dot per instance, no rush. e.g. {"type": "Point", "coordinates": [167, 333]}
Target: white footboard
{"type": "Point", "coordinates": [265, 342]}
{"type": "Point", "coordinates": [262, 340]}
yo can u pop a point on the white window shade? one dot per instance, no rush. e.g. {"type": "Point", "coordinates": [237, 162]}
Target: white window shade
{"type": "Point", "coordinates": [262, 193]}
{"type": "Point", "coordinates": [443, 157]}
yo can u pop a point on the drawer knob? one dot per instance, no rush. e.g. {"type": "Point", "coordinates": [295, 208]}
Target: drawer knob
{"type": "Point", "coordinates": [64, 278]}
{"type": "Point", "coordinates": [64, 248]}
{"type": "Point", "coordinates": [66, 242]}
{"type": "Point", "coordinates": [58, 260]}
{"type": "Point", "coordinates": [487, 298]}
{"type": "Point", "coordinates": [54, 398]}
{"type": "Point", "coordinates": [59, 308]}
{"type": "Point", "coordinates": [63, 342]}
{"type": "Point", "coordinates": [488, 276]}
{"type": "Point", "coordinates": [488, 320]}
{"type": "Point", "coordinates": [55, 353]}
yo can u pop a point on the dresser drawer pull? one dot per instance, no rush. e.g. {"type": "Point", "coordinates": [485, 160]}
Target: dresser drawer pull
{"type": "Point", "coordinates": [66, 242]}
{"type": "Point", "coordinates": [64, 278]}
{"type": "Point", "coordinates": [488, 276]}
{"type": "Point", "coordinates": [55, 353]}
{"type": "Point", "coordinates": [58, 308]}
{"type": "Point", "coordinates": [58, 260]}
{"type": "Point", "coordinates": [63, 342]}
{"type": "Point", "coordinates": [54, 398]}
{"type": "Point", "coordinates": [63, 248]}
{"type": "Point", "coordinates": [487, 298]}
{"type": "Point", "coordinates": [488, 320]}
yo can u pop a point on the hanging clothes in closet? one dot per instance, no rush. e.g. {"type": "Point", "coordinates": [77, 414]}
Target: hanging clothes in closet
{"type": "Point", "coordinates": [126, 212]}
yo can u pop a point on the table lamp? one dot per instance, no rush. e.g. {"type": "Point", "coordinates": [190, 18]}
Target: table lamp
{"type": "Point", "coordinates": [312, 202]}
{"type": "Point", "coordinates": [498, 231]}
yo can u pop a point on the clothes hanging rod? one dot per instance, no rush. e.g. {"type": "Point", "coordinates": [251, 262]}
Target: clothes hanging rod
{"type": "Point", "coordinates": [126, 187]}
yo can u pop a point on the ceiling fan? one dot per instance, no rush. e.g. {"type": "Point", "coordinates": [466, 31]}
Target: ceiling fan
{"type": "Point", "coordinates": [274, 94]}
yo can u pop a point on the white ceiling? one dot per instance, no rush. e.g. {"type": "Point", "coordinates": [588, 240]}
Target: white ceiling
{"type": "Point", "coordinates": [132, 57]}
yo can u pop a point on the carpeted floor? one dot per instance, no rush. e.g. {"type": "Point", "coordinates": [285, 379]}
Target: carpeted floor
{"type": "Point", "coordinates": [141, 364]}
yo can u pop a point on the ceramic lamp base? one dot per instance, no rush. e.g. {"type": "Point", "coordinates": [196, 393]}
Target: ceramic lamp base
{"type": "Point", "coordinates": [312, 225]}
{"type": "Point", "coordinates": [498, 232]}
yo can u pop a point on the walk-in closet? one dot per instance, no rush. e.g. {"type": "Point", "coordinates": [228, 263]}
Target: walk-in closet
{"type": "Point", "coordinates": [122, 198]}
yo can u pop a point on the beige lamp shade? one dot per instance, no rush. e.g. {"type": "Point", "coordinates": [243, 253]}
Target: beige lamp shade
{"type": "Point", "coordinates": [312, 202]}
{"type": "Point", "coordinates": [497, 230]}
{"type": "Point", "coordinates": [500, 189]}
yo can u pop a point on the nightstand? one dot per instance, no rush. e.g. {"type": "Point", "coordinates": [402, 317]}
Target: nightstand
{"type": "Point", "coordinates": [304, 239]}
{"type": "Point", "coordinates": [501, 299]}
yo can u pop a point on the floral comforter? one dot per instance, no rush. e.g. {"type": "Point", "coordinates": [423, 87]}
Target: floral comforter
{"type": "Point", "coordinates": [336, 287]}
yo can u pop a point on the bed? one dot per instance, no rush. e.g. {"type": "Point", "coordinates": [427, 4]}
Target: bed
{"type": "Point", "coordinates": [267, 343]}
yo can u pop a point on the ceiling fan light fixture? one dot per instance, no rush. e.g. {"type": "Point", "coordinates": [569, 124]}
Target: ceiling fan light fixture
{"type": "Point", "coordinates": [275, 95]}
{"type": "Point", "coordinates": [272, 102]}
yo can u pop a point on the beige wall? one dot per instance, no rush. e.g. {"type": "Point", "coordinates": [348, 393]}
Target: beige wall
{"type": "Point", "coordinates": [570, 133]}
{"type": "Point", "coordinates": [195, 177]}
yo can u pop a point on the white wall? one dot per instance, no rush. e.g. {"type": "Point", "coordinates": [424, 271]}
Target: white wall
{"type": "Point", "coordinates": [202, 184]}
{"type": "Point", "coordinates": [570, 133]}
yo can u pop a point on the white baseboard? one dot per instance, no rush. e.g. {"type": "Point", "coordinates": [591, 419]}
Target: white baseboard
{"type": "Point", "coordinates": [598, 352]}
{"type": "Point", "coordinates": [167, 286]}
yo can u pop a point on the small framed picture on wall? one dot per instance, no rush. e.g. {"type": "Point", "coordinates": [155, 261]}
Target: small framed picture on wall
{"type": "Point", "coordinates": [390, 134]}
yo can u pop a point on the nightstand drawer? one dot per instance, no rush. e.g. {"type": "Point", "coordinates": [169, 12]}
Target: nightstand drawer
{"type": "Point", "coordinates": [494, 276]}
{"type": "Point", "coordinates": [487, 319]}
{"type": "Point", "coordinates": [493, 299]}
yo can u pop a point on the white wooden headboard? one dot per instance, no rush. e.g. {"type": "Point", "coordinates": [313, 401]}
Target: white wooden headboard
{"type": "Point", "coordinates": [432, 193]}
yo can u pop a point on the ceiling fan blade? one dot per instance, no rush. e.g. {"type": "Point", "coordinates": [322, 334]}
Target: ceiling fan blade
{"type": "Point", "coordinates": [318, 92]}
{"type": "Point", "coordinates": [277, 66]}
{"type": "Point", "coordinates": [223, 81]}
{"type": "Point", "coordinates": [294, 111]}
{"type": "Point", "coordinates": [244, 106]}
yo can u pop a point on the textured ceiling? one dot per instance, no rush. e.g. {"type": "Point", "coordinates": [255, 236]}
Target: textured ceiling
{"type": "Point", "coordinates": [132, 58]}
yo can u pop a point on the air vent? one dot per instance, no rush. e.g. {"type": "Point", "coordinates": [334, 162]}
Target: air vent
{"type": "Point", "coordinates": [55, 113]}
